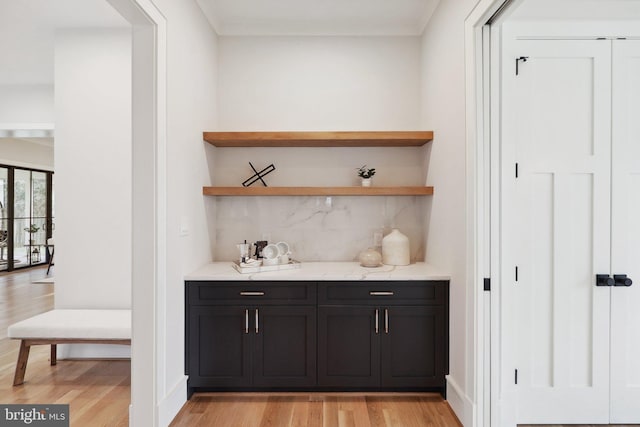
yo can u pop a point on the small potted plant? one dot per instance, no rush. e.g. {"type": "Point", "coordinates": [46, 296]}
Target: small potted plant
{"type": "Point", "coordinates": [366, 175]}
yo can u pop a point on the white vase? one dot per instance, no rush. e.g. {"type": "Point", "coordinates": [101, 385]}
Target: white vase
{"type": "Point", "coordinates": [370, 258]}
{"type": "Point", "coordinates": [395, 249]}
{"type": "Point", "coordinates": [366, 182]}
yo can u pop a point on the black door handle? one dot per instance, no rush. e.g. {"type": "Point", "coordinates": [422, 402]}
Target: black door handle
{"type": "Point", "coordinates": [622, 280]}
{"type": "Point", "coordinates": [604, 280]}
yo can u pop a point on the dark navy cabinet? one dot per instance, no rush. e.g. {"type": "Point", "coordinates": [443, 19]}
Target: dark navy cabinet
{"type": "Point", "coordinates": [279, 335]}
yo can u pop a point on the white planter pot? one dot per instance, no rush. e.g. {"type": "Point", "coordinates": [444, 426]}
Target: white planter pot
{"type": "Point", "coordinates": [366, 182]}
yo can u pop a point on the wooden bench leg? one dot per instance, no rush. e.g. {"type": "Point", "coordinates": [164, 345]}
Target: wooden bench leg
{"type": "Point", "coordinates": [54, 354]}
{"type": "Point", "coordinates": [21, 365]}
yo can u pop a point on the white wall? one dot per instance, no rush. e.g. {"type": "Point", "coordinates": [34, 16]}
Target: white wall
{"type": "Point", "coordinates": [93, 168]}
{"type": "Point", "coordinates": [26, 104]}
{"type": "Point", "coordinates": [192, 71]}
{"type": "Point", "coordinates": [318, 83]}
{"type": "Point", "coordinates": [443, 110]}
{"type": "Point", "coordinates": [19, 152]}
{"type": "Point", "coordinates": [26, 107]}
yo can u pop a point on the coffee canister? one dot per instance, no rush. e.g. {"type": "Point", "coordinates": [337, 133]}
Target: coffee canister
{"type": "Point", "coordinates": [395, 248]}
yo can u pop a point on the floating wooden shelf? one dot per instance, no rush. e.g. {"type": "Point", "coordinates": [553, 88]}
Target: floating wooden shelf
{"type": "Point", "coordinates": [317, 191]}
{"type": "Point", "coordinates": [319, 139]}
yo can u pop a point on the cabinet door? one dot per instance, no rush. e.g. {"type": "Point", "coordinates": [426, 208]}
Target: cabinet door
{"type": "Point", "coordinates": [348, 347]}
{"type": "Point", "coordinates": [285, 343]}
{"type": "Point", "coordinates": [413, 346]}
{"type": "Point", "coordinates": [219, 353]}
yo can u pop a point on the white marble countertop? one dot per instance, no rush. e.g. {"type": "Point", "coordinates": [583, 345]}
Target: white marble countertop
{"type": "Point", "coordinates": [322, 271]}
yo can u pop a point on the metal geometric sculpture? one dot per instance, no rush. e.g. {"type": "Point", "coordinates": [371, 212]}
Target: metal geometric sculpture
{"type": "Point", "coordinates": [258, 175]}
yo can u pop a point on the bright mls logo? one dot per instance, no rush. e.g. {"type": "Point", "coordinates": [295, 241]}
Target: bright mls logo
{"type": "Point", "coordinates": [34, 415]}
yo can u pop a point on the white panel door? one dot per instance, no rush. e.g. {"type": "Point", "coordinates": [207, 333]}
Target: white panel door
{"type": "Point", "coordinates": [625, 216]}
{"type": "Point", "coordinates": [557, 115]}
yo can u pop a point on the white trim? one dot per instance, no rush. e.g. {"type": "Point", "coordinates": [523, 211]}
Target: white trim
{"type": "Point", "coordinates": [209, 11]}
{"type": "Point", "coordinates": [484, 188]}
{"type": "Point", "coordinates": [494, 184]}
{"type": "Point", "coordinates": [574, 30]}
{"type": "Point", "coordinates": [424, 21]}
{"type": "Point", "coordinates": [93, 351]}
{"type": "Point", "coordinates": [149, 85]}
{"type": "Point", "coordinates": [169, 407]}
{"type": "Point", "coordinates": [275, 30]}
{"type": "Point", "coordinates": [27, 126]}
{"type": "Point", "coordinates": [477, 200]}
{"type": "Point", "coordinates": [474, 205]}
{"type": "Point", "coordinates": [161, 218]}
{"type": "Point", "coordinates": [459, 402]}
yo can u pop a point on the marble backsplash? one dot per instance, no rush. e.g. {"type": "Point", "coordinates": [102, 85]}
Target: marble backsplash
{"type": "Point", "coordinates": [334, 228]}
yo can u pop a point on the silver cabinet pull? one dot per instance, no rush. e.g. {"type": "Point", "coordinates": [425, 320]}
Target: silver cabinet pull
{"type": "Point", "coordinates": [381, 293]}
{"type": "Point", "coordinates": [246, 321]}
{"type": "Point", "coordinates": [377, 329]}
{"type": "Point", "coordinates": [257, 327]}
{"type": "Point", "coordinates": [252, 294]}
{"type": "Point", "coordinates": [386, 320]}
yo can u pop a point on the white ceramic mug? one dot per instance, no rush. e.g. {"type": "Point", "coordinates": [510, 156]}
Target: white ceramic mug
{"type": "Point", "coordinates": [283, 252]}
{"type": "Point", "coordinates": [270, 252]}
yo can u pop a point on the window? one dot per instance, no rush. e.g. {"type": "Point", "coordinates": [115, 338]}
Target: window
{"type": "Point", "coordinates": [26, 216]}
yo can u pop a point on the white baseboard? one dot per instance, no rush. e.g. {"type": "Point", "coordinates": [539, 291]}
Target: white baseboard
{"type": "Point", "coordinates": [93, 351]}
{"type": "Point", "coordinates": [462, 406]}
{"type": "Point", "coordinates": [169, 407]}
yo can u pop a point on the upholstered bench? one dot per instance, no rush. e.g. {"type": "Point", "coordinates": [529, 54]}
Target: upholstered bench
{"type": "Point", "coordinates": [69, 327]}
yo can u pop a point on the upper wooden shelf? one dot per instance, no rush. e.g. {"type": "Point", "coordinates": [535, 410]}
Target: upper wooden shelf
{"type": "Point", "coordinates": [317, 191]}
{"type": "Point", "coordinates": [318, 139]}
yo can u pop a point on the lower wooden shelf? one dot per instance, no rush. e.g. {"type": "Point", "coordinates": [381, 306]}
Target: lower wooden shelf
{"type": "Point", "coordinates": [318, 191]}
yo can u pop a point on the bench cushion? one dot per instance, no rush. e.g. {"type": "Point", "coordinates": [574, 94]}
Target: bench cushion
{"type": "Point", "coordinates": [75, 324]}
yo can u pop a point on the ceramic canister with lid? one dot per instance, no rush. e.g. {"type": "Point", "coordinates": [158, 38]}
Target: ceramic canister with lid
{"type": "Point", "coordinates": [395, 248]}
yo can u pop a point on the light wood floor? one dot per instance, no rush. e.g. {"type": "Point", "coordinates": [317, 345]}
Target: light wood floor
{"type": "Point", "coordinates": [98, 392]}
{"type": "Point", "coordinates": [316, 410]}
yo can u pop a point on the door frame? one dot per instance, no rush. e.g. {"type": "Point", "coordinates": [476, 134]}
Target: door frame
{"type": "Point", "coordinates": [149, 189]}
{"type": "Point", "coordinates": [482, 228]}
{"type": "Point", "coordinates": [494, 392]}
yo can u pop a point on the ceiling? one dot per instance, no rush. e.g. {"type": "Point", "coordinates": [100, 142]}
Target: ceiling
{"type": "Point", "coordinates": [27, 30]}
{"type": "Point", "coordinates": [32, 136]}
{"type": "Point", "coordinates": [27, 27]}
{"type": "Point", "coordinates": [318, 17]}
{"type": "Point", "coordinates": [577, 9]}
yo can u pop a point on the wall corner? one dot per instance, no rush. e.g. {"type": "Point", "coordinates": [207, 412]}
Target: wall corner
{"type": "Point", "coordinates": [463, 407]}
{"type": "Point", "coordinates": [171, 404]}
